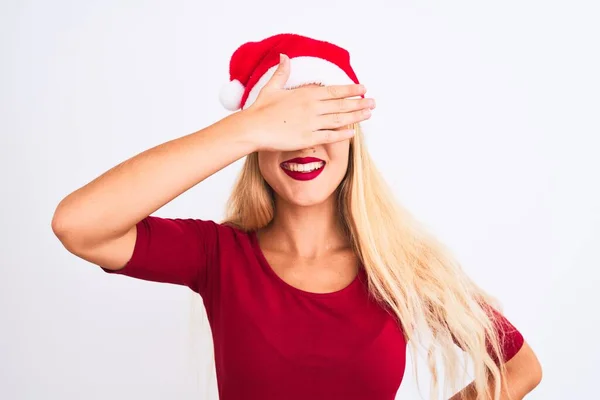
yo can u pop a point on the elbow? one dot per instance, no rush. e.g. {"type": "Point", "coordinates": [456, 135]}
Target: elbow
{"type": "Point", "coordinates": [62, 227]}
{"type": "Point", "coordinates": [534, 370]}
{"type": "Point", "coordinates": [536, 375]}
{"type": "Point", "coordinates": [524, 371]}
{"type": "Point", "coordinates": [58, 224]}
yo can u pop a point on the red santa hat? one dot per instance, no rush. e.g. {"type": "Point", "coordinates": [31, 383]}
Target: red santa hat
{"type": "Point", "coordinates": [311, 61]}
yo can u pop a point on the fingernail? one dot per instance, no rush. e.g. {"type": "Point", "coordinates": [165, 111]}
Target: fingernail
{"type": "Point", "coordinates": [281, 58]}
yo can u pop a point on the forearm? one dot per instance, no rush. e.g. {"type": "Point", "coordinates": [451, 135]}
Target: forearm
{"type": "Point", "coordinates": [523, 374]}
{"type": "Point", "coordinates": [470, 393]}
{"type": "Point", "coordinates": [111, 204]}
{"type": "Point", "coordinates": [516, 387]}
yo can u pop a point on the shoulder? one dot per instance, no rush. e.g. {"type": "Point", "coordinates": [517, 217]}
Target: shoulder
{"type": "Point", "coordinates": [193, 224]}
{"type": "Point", "coordinates": [190, 233]}
{"type": "Point", "coordinates": [229, 237]}
{"type": "Point", "coordinates": [207, 238]}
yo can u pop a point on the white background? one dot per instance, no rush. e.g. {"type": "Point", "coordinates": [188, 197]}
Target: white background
{"type": "Point", "coordinates": [487, 128]}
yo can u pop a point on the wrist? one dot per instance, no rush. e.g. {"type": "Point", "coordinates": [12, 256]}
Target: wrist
{"type": "Point", "coordinates": [249, 128]}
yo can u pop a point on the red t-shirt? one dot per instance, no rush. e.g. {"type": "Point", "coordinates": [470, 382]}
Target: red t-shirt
{"type": "Point", "coordinates": [272, 340]}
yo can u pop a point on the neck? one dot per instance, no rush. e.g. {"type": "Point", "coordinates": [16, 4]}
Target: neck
{"type": "Point", "coordinates": [307, 232]}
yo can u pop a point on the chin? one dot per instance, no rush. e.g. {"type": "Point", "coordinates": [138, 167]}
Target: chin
{"type": "Point", "coordinates": [308, 184]}
{"type": "Point", "coordinates": [307, 193]}
{"type": "Point", "coordinates": [305, 199]}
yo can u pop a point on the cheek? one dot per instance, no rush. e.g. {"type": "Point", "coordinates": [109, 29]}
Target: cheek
{"type": "Point", "coordinates": [310, 192]}
{"type": "Point", "coordinates": [268, 165]}
{"type": "Point", "coordinates": [338, 154]}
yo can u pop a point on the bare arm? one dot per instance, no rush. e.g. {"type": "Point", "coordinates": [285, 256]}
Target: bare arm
{"type": "Point", "coordinates": [523, 374]}
{"type": "Point", "coordinates": [97, 222]}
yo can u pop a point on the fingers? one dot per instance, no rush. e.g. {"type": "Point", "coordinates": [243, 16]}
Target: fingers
{"type": "Point", "coordinates": [281, 75]}
{"type": "Point", "coordinates": [337, 120]}
{"type": "Point", "coordinates": [345, 105]}
{"type": "Point", "coordinates": [339, 91]}
{"type": "Point", "coordinates": [330, 136]}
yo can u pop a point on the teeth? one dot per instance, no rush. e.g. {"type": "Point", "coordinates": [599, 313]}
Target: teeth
{"type": "Point", "coordinates": [303, 167]}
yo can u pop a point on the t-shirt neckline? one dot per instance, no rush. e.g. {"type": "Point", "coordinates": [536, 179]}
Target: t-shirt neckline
{"type": "Point", "coordinates": [263, 260]}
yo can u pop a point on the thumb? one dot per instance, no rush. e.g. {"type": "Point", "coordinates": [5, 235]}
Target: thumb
{"type": "Point", "coordinates": [281, 75]}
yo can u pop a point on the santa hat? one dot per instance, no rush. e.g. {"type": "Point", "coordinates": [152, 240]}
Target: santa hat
{"type": "Point", "coordinates": [311, 61]}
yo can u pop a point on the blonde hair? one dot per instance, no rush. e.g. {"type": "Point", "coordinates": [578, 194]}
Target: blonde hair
{"type": "Point", "coordinates": [409, 272]}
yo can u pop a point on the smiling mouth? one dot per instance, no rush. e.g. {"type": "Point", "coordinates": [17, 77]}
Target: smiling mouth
{"type": "Point", "coordinates": [297, 167]}
{"type": "Point", "coordinates": [303, 169]}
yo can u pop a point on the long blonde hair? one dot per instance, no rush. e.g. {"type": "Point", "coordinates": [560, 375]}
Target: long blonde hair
{"type": "Point", "coordinates": [413, 275]}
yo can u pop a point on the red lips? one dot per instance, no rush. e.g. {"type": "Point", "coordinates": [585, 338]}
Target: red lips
{"type": "Point", "coordinates": [303, 176]}
{"type": "Point", "coordinates": [303, 160]}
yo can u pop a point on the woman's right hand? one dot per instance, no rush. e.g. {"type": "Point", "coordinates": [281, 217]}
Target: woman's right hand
{"type": "Point", "coordinates": [287, 120]}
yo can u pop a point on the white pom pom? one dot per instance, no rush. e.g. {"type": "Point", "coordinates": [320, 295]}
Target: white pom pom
{"type": "Point", "coordinates": [231, 95]}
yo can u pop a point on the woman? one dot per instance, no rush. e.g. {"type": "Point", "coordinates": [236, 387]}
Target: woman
{"type": "Point", "coordinates": [317, 280]}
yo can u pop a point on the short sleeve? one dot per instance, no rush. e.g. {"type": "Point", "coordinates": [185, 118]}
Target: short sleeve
{"type": "Point", "coordinates": [177, 251]}
{"type": "Point", "coordinates": [511, 340]}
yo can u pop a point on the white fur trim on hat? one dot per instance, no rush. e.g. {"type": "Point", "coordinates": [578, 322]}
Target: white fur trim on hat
{"type": "Point", "coordinates": [231, 95]}
{"type": "Point", "coordinates": [303, 71]}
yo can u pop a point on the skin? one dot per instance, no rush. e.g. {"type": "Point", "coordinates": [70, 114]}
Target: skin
{"type": "Point", "coordinates": [524, 373]}
{"type": "Point", "coordinates": [305, 236]}
{"type": "Point", "coordinates": [306, 193]}
{"type": "Point", "coordinates": [97, 222]}
{"type": "Point", "coordinates": [304, 244]}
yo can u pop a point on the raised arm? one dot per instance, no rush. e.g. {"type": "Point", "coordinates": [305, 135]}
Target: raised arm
{"type": "Point", "coordinates": [98, 221]}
